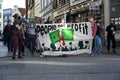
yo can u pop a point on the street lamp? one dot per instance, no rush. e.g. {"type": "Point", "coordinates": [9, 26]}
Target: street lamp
{"type": "Point", "coordinates": [102, 21]}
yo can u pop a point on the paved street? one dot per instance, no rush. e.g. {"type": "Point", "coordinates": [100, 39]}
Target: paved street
{"type": "Point", "coordinates": [3, 50]}
{"type": "Point", "coordinates": [81, 67]}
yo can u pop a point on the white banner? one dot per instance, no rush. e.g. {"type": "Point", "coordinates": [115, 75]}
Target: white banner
{"type": "Point", "coordinates": [70, 38]}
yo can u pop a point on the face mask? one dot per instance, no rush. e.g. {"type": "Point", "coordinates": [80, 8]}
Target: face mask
{"type": "Point", "coordinates": [111, 23]}
{"type": "Point", "coordinates": [98, 24]}
{"type": "Point", "coordinates": [91, 19]}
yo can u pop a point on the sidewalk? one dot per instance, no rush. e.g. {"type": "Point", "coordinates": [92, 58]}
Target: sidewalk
{"type": "Point", "coordinates": [111, 52]}
{"type": "Point", "coordinates": [104, 51]}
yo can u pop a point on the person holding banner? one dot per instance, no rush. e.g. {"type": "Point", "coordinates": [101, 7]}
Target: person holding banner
{"type": "Point", "coordinates": [97, 41]}
{"type": "Point", "coordinates": [94, 30]}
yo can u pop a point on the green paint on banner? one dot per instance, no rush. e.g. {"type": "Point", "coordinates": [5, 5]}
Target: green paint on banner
{"type": "Point", "coordinates": [54, 36]}
{"type": "Point", "coordinates": [68, 34]}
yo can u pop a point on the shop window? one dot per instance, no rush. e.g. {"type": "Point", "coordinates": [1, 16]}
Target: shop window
{"type": "Point", "coordinates": [0, 6]}
{"type": "Point", "coordinates": [0, 24]}
{"type": "Point", "coordinates": [0, 15]}
{"type": "Point", "coordinates": [58, 3]}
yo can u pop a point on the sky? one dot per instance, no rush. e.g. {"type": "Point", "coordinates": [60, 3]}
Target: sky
{"type": "Point", "coordinates": [10, 3]}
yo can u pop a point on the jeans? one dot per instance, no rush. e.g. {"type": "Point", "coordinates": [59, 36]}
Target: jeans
{"type": "Point", "coordinates": [17, 43]}
{"type": "Point", "coordinates": [32, 43]}
{"type": "Point", "coordinates": [97, 45]}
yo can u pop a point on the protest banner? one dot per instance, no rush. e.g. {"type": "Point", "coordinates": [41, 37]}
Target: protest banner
{"type": "Point", "coordinates": [65, 38]}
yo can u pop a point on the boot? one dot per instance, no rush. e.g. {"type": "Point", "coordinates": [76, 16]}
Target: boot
{"type": "Point", "coordinates": [13, 58]}
{"type": "Point", "coordinates": [114, 51]}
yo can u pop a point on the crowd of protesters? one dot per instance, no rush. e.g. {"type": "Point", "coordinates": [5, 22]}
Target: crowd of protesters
{"type": "Point", "coordinates": [23, 34]}
{"type": "Point", "coordinates": [20, 35]}
{"type": "Point", "coordinates": [14, 37]}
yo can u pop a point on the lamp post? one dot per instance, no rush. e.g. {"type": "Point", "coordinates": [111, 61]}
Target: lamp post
{"type": "Point", "coordinates": [102, 21]}
{"type": "Point", "coordinates": [102, 14]}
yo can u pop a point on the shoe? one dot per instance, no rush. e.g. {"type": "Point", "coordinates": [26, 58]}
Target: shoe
{"type": "Point", "coordinates": [64, 55]}
{"type": "Point", "coordinates": [23, 54]}
{"type": "Point", "coordinates": [41, 56]}
{"type": "Point", "coordinates": [20, 57]}
{"type": "Point", "coordinates": [99, 54]}
{"type": "Point", "coordinates": [114, 51]}
{"type": "Point", "coordinates": [13, 58]}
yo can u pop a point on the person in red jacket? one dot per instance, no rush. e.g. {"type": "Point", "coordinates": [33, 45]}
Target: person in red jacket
{"type": "Point", "coordinates": [94, 30]}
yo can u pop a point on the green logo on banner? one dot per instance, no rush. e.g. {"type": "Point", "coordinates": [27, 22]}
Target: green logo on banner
{"type": "Point", "coordinates": [54, 36]}
{"type": "Point", "coordinates": [68, 34]}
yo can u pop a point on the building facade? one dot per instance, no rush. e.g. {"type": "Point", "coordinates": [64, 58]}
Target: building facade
{"type": "Point", "coordinates": [1, 16]}
{"type": "Point", "coordinates": [30, 7]}
{"type": "Point", "coordinates": [61, 10]}
{"type": "Point", "coordinates": [46, 9]}
{"type": "Point", "coordinates": [7, 15]}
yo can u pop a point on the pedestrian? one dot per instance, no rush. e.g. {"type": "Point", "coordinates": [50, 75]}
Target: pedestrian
{"type": "Point", "coordinates": [38, 46]}
{"type": "Point", "coordinates": [23, 38]}
{"type": "Point", "coordinates": [94, 30]}
{"type": "Point", "coordinates": [49, 20]}
{"type": "Point", "coordinates": [17, 37]}
{"type": "Point", "coordinates": [32, 38]}
{"type": "Point", "coordinates": [111, 30]}
{"type": "Point", "coordinates": [27, 40]}
{"type": "Point", "coordinates": [7, 34]}
{"type": "Point", "coordinates": [97, 42]}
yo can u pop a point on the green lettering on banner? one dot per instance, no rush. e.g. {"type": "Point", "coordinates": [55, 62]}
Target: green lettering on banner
{"type": "Point", "coordinates": [54, 36]}
{"type": "Point", "coordinates": [68, 34]}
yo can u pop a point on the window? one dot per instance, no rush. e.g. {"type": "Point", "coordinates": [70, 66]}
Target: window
{"type": "Point", "coordinates": [58, 3]}
{"type": "Point", "coordinates": [3, 17]}
{"type": "Point", "coordinates": [43, 3]}
{"type": "Point", "coordinates": [0, 15]}
{"type": "Point", "coordinates": [0, 24]}
{"type": "Point", "coordinates": [0, 6]}
{"type": "Point", "coordinates": [66, 1]}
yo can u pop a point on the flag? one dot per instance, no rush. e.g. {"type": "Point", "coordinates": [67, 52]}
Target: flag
{"type": "Point", "coordinates": [54, 36]}
{"type": "Point", "coordinates": [68, 34]}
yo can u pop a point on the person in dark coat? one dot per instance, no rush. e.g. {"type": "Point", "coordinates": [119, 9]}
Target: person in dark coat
{"type": "Point", "coordinates": [7, 34]}
{"type": "Point", "coordinates": [111, 30]}
{"type": "Point", "coordinates": [17, 37]}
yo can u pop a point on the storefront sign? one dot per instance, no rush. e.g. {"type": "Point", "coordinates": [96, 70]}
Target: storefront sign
{"type": "Point", "coordinates": [59, 39]}
{"type": "Point", "coordinates": [75, 2]}
{"type": "Point", "coordinates": [61, 11]}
